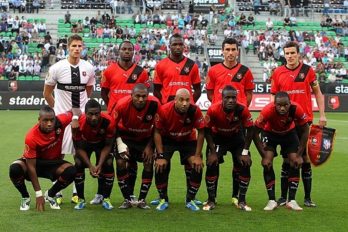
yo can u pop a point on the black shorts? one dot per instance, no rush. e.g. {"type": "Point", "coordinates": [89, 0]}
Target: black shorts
{"type": "Point", "coordinates": [298, 131]}
{"type": "Point", "coordinates": [135, 148]}
{"type": "Point", "coordinates": [186, 149]}
{"type": "Point", "coordinates": [46, 168]}
{"type": "Point", "coordinates": [234, 145]}
{"type": "Point", "coordinates": [93, 147]}
{"type": "Point", "coordinates": [288, 142]}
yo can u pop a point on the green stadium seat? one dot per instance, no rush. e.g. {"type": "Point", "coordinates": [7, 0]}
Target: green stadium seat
{"type": "Point", "coordinates": [28, 78]}
{"type": "Point", "coordinates": [36, 78]}
{"type": "Point", "coordinates": [21, 78]}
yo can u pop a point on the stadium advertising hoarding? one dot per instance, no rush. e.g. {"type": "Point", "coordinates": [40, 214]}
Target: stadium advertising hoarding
{"type": "Point", "coordinates": [204, 5]}
{"type": "Point", "coordinates": [26, 95]}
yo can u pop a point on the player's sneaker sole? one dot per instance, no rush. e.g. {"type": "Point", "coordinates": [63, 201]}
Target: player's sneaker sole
{"type": "Point", "coordinates": [25, 204]}
{"type": "Point", "coordinates": [163, 205]}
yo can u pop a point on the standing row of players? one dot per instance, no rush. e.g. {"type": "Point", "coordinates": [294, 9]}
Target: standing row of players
{"type": "Point", "coordinates": [176, 78]}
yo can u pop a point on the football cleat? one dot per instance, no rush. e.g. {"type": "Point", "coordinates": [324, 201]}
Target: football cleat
{"type": "Point", "coordinates": [309, 203]}
{"type": "Point", "coordinates": [80, 205]}
{"type": "Point", "coordinates": [235, 201]}
{"type": "Point", "coordinates": [126, 204]}
{"type": "Point", "coordinates": [293, 205]}
{"type": "Point", "coordinates": [141, 204]}
{"type": "Point", "coordinates": [98, 199]}
{"type": "Point", "coordinates": [25, 204]}
{"type": "Point", "coordinates": [155, 202]}
{"type": "Point", "coordinates": [59, 198]}
{"type": "Point", "coordinates": [163, 205]}
{"type": "Point", "coordinates": [107, 204]}
{"type": "Point", "coordinates": [75, 199]}
{"type": "Point", "coordinates": [243, 206]}
{"type": "Point", "coordinates": [52, 201]}
{"type": "Point", "coordinates": [281, 201]}
{"type": "Point", "coordinates": [192, 205]}
{"type": "Point", "coordinates": [209, 205]}
{"type": "Point", "coordinates": [271, 205]}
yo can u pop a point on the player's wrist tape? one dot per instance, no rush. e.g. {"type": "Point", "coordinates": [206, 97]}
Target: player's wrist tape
{"type": "Point", "coordinates": [160, 156]}
{"type": "Point", "coordinates": [245, 152]}
{"type": "Point", "coordinates": [38, 193]}
{"type": "Point", "coordinates": [75, 117]}
{"type": "Point", "coordinates": [121, 146]}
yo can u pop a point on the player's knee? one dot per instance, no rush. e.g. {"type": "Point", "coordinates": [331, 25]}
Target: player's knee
{"type": "Point", "coordinates": [109, 161]}
{"type": "Point", "coordinates": [148, 167]}
{"type": "Point", "coordinates": [69, 173]}
{"type": "Point", "coordinates": [121, 164]}
{"type": "Point", "coordinates": [266, 164]}
{"type": "Point", "coordinates": [16, 170]}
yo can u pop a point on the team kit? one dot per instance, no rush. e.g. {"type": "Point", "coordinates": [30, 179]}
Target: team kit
{"type": "Point", "coordinates": [139, 128]}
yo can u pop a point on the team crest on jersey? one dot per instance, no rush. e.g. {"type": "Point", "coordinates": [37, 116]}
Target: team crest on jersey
{"type": "Point", "coordinates": [84, 73]}
{"type": "Point", "coordinates": [302, 76]}
{"type": "Point", "coordinates": [186, 69]}
{"type": "Point", "coordinates": [148, 117]}
{"type": "Point", "coordinates": [58, 131]}
{"type": "Point", "coordinates": [314, 140]}
{"type": "Point", "coordinates": [134, 77]}
{"type": "Point", "coordinates": [239, 76]}
{"type": "Point", "coordinates": [101, 131]}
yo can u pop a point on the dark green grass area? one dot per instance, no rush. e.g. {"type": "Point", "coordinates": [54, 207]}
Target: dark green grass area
{"type": "Point", "coordinates": [330, 192]}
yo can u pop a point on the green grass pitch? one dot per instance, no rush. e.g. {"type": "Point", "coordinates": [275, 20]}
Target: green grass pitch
{"type": "Point", "coordinates": [330, 190]}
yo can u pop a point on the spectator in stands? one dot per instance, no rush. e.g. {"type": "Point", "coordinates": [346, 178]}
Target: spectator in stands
{"type": "Point", "coordinates": [129, 7]}
{"type": "Point", "coordinates": [273, 8]}
{"type": "Point", "coordinates": [293, 21]}
{"type": "Point", "coordinates": [67, 18]}
{"type": "Point", "coordinates": [47, 37]}
{"type": "Point", "coordinates": [256, 5]}
{"type": "Point", "coordinates": [251, 19]}
{"type": "Point", "coordinates": [180, 7]}
{"type": "Point", "coordinates": [42, 27]}
{"type": "Point", "coordinates": [326, 7]}
{"type": "Point", "coordinates": [36, 5]}
{"type": "Point", "coordinates": [286, 7]}
{"type": "Point", "coordinates": [191, 9]}
{"type": "Point", "coordinates": [269, 24]}
{"type": "Point", "coordinates": [242, 19]}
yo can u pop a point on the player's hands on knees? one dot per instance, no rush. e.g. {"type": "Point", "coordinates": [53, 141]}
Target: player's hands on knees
{"type": "Point", "coordinates": [212, 159]}
{"type": "Point", "coordinates": [266, 163]}
{"type": "Point", "coordinates": [197, 163]}
{"type": "Point", "coordinates": [298, 161]}
{"type": "Point", "coordinates": [160, 165]}
{"type": "Point", "coordinates": [245, 160]}
{"type": "Point", "coordinates": [148, 155]}
{"type": "Point", "coordinates": [40, 204]}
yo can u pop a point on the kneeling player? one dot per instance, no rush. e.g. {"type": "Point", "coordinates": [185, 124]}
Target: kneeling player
{"type": "Point", "coordinates": [134, 116]}
{"type": "Point", "coordinates": [277, 123]}
{"type": "Point", "coordinates": [95, 134]}
{"type": "Point", "coordinates": [224, 132]}
{"type": "Point", "coordinates": [42, 157]}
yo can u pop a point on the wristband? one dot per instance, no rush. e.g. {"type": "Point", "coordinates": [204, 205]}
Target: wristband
{"type": "Point", "coordinates": [160, 156]}
{"type": "Point", "coordinates": [245, 152]}
{"type": "Point", "coordinates": [38, 193]}
{"type": "Point", "coordinates": [75, 117]}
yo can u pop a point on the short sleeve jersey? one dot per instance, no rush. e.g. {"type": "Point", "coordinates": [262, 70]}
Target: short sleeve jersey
{"type": "Point", "coordinates": [136, 124]}
{"type": "Point", "coordinates": [219, 76]}
{"type": "Point", "coordinates": [173, 76]}
{"type": "Point", "coordinates": [269, 120]}
{"type": "Point", "coordinates": [179, 127]}
{"type": "Point", "coordinates": [120, 82]}
{"type": "Point", "coordinates": [104, 130]}
{"type": "Point", "coordinates": [70, 84]}
{"type": "Point", "coordinates": [40, 145]}
{"type": "Point", "coordinates": [297, 84]}
{"type": "Point", "coordinates": [227, 124]}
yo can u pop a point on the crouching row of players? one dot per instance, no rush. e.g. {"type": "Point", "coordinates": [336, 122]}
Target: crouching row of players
{"type": "Point", "coordinates": [143, 125]}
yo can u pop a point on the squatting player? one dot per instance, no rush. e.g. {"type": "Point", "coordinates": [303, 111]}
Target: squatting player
{"type": "Point", "coordinates": [276, 123]}
{"type": "Point", "coordinates": [95, 134]}
{"type": "Point", "coordinates": [175, 130]}
{"type": "Point", "coordinates": [225, 122]}
{"type": "Point", "coordinates": [42, 157]}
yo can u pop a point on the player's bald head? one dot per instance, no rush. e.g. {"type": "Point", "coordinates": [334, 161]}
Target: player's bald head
{"type": "Point", "coordinates": [184, 93]}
